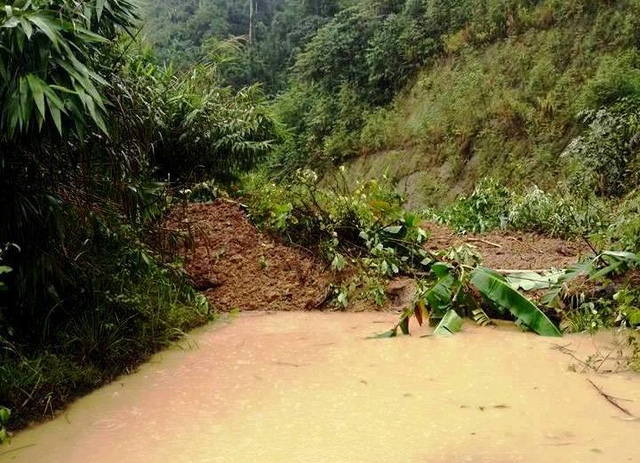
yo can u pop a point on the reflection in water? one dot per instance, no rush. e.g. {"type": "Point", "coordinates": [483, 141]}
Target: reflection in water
{"type": "Point", "coordinates": [309, 388]}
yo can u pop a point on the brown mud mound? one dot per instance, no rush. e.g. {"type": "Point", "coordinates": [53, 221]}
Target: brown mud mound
{"type": "Point", "coordinates": [511, 250]}
{"type": "Point", "coordinates": [237, 267]}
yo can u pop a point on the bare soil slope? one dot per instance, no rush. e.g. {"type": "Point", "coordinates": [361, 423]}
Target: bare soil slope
{"type": "Point", "coordinates": [237, 267]}
{"type": "Point", "coordinates": [511, 250]}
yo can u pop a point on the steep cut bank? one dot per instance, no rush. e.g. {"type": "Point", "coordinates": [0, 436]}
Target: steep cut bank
{"type": "Point", "coordinates": [508, 108]}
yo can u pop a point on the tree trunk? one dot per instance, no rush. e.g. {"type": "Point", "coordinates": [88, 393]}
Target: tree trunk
{"type": "Point", "coordinates": [251, 19]}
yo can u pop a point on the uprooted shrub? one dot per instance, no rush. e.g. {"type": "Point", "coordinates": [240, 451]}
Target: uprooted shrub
{"type": "Point", "coordinates": [607, 154]}
{"type": "Point", "coordinates": [369, 226]}
{"type": "Point", "coordinates": [491, 205]}
{"type": "Point", "coordinates": [368, 222]}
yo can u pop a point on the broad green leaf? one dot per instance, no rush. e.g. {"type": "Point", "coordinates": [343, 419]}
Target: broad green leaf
{"type": "Point", "coordinates": [494, 287]}
{"type": "Point", "coordinates": [451, 323]}
{"type": "Point", "coordinates": [12, 22]}
{"type": "Point", "coordinates": [53, 98]}
{"type": "Point", "coordinates": [26, 27]}
{"type": "Point", "coordinates": [440, 269]}
{"type": "Point", "coordinates": [529, 281]}
{"type": "Point", "coordinates": [4, 269]}
{"type": "Point", "coordinates": [36, 86]}
{"type": "Point", "coordinates": [55, 115]}
{"type": "Point", "coordinates": [622, 255]}
{"type": "Point", "coordinates": [634, 317]}
{"type": "Point", "coordinates": [46, 27]}
{"type": "Point", "coordinates": [91, 36]}
{"type": "Point", "coordinates": [440, 294]}
{"type": "Point", "coordinates": [99, 8]}
{"type": "Point", "coordinates": [5, 414]}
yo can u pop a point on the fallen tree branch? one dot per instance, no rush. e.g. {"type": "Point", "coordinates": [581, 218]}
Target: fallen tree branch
{"type": "Point", "coordinates": [506, 271]}
{"type": "Point", "coordinates": [478, 240]}
{"type": "Point", "coordinates": [611, 399]}
{"type": "Point", "coordinates": [570, 353]}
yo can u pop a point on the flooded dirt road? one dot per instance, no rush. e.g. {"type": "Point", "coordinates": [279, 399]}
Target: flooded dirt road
{"type": "Point", "coordinates": [309, 388]}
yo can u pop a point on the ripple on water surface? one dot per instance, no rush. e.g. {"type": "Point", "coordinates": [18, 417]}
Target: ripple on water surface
{"type": "Point", "coordinates": [309, 388]}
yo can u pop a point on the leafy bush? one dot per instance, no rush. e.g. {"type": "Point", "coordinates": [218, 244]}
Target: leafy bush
{"type": "Point", "coordinates": [485, 209]}
{"type": "Point", "coordinates": [624, 231]}
{"type": "Point", "coordinates": [369, 225]}
{"type": "Point", "coordinates": [598, 292]}
{"type": "Point", "coordinates": [564, 216]}
{"type": "Point", "coordinates": [616, 78]}
{"type": "Point", "coordinates": [192, 127]}
{"type": "Point", "coordinates": [491, 205]}
{"type": "Point", "coordinates": [47, 60]}
{"type": "Point", "coordinates": [368, 222]}
{"type": "Point", "coordinates": [607, 153]}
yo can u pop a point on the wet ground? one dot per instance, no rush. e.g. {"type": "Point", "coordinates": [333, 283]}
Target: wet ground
{"type": "Point", "coordinates": [310, 388]}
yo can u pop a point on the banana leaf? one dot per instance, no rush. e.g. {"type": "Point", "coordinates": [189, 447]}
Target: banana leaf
{"type": "Point", "coordinates": [494, 287]}
{"type": "Point", "coordinates": [451, 323]}
{"type": "Point", "coordinates": [530, 281]}
{"type": "Point", "coordinates": [439, 296]}
{"type": "Point", "coordinates": [552, 297]}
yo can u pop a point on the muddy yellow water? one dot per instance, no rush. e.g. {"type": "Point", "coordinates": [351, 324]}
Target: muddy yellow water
{"type": "Point", "coordinates": [309, 388]}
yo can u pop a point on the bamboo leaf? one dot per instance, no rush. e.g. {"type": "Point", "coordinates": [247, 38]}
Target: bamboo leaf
{"type": "Point", "coordinates": [99, 8]}
{"type": "Point", "coordinates": [55, 115]}
{"type": "Point", "coordinates": [35, 84]}
{"type": "Point", "coordinates": [26, 27]}
{"type": "Point", "coordinates": [45, 26]}
{"type": "Point", "coordinates": [494, 287]}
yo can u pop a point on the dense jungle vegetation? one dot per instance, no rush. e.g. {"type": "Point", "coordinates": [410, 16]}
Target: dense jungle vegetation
{"type": "Point", "coordinates": [342, 125]}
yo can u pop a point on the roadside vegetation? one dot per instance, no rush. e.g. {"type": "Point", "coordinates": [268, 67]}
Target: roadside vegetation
{"type": "Point", "coordinates": [91, 128]}
{"type": "Point", "coordinates": [369, 230]}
